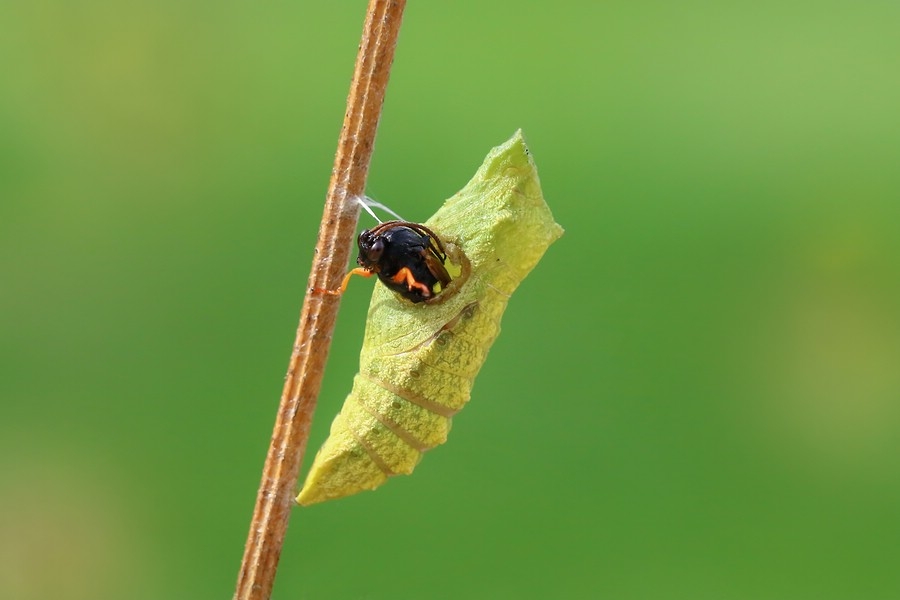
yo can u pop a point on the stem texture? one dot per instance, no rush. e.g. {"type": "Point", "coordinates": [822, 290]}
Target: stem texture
{"type": "Point", "coordinates": [317, 318]}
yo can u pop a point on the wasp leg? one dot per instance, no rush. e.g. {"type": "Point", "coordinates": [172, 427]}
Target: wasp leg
{"type": "Point", "coordinates": [404, 275]}
{"type": "Point", "coordinates": [343, 288]}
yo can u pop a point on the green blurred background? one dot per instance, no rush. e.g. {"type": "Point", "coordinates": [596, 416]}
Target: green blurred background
{"type": "Point", "coordinates": [696, 393]}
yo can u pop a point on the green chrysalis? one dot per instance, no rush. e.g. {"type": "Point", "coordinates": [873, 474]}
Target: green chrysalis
{"type": "Point", "coordinates": [418, 361]}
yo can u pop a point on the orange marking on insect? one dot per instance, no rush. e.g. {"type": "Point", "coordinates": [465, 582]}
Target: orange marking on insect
{"type": "Point", "coordinates": [404, 275]}
{"type": "Point", "coordinates": [357, 271]}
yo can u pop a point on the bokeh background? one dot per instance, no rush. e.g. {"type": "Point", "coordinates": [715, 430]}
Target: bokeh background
{"type": "Point", "coordinates": [696, 394]}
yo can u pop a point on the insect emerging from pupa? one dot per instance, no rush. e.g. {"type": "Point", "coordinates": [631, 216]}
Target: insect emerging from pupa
{"type": "Point", "coordinates": [407, 257]}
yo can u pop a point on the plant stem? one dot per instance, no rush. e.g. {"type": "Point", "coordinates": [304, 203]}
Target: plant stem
{"type": "Point", "coordinates": [336, 233]}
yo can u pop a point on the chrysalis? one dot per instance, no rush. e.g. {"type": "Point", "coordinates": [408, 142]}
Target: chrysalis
{"type": "Point", "coordinates": [419, 359]}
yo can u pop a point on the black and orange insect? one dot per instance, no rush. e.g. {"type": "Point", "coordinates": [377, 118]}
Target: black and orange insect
{"type": "Point", "coordinates": [407, 257]}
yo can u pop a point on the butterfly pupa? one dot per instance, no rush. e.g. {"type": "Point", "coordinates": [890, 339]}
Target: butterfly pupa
{"type": "Point", "coordinates": [419, 360]}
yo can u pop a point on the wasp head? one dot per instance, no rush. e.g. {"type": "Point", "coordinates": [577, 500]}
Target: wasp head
{"type": "Point", "coordinates": [371, 247]}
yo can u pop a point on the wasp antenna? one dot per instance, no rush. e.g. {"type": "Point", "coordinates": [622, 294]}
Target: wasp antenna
{"type": "Point", "coordinates": [365, 201]}
{"type": "Point", "coordinates": [368, 202]}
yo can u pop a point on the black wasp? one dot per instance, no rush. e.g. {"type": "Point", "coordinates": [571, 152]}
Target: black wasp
{"type": "Point", "coordinates": [407, 257]}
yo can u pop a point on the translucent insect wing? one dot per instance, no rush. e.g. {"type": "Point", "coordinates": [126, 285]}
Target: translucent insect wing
{"type": "Point", "coordinates": [418, 361]}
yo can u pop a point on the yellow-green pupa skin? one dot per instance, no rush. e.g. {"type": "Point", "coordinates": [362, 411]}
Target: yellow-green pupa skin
{"type": "Point", "coordinates": [418, 361]}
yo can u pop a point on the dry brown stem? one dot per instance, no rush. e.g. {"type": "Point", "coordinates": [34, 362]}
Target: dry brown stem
{"type": "Point", "coordinates": [317, 318]}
